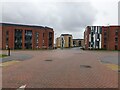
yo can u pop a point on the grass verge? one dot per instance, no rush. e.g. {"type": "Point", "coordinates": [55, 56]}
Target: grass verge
{"type": "Point", "coordinates": [3, 55]}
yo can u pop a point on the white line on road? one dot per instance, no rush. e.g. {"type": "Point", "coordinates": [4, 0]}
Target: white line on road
{"type": "Point", "coordinates": [21, 87]}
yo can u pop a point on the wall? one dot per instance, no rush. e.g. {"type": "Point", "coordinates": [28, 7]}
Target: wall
{"type": "Point", "coordinates": [0, 37]}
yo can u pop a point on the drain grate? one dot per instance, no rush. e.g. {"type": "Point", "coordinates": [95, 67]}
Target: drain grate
{"type": "Point", "coordinates": [119, 71]}
{"type": "Point", "coordinates": [48, 60]}
{"type": "Point", "coordinates": [85, 66]}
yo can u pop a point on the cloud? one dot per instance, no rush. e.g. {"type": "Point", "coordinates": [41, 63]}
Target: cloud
{"type": "Point", "coordinates": [64, 17]}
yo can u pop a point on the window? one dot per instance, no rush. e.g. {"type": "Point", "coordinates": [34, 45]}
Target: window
{"type": "Point", "coordinates": [18, 39]}
{"type": "Point", "coordinates": [105, 33]}
{"type": "Point", "coordinates": [7, 39]}
{"type": "Point", "coordinates": [116, 33]}
{"type": "Point", "coordinates": [98, 36]}
{"type": "Point", "coordinates": [36, 39]}
{"type": "Point", "coordinates": [89, 44]}
{"type": "Point", "coordinates": [7, 32]}
{"type": "Point", "coordinates": [74, 43]}
{"type": "Point", "coordinates": [43, 35]}
{"type": "Point", "coordinates": [116, 39]}
{"type": "Point", "coordinates": [7, 35]}
{"type": "Point", "coordinates": [100, 30]}
{"type": "Point", "coordinates": [92, 33]}
{"type": "Point", "coordinates": [105, 40]}
{"type": "Point", "coordinates": [116, 47]}
{"type": "Point", "coordinates": [105, 46]}
{"type": "Point", "coordinates": [80, 43]}
{"type": "Point", "coordinates": [92, 39]}
{"type": "Point", "coordinates": [43, 42]}
{"type": "Point", "coordinates": [28, 39]}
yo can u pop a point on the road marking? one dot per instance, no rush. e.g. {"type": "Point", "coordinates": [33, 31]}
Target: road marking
{"type": "Point", "coordinates": [8, 63]}
{"type": "Point", "coordinates": [111, 66]}
{"type": "Point", "coordinates": [21, 87]}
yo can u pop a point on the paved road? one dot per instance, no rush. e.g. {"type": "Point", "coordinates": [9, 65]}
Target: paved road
{"type": "Point", "coordinates": [67, 68]}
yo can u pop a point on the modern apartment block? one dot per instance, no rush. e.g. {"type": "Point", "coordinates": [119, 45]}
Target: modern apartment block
{"type": "Point", "coordinates": [58, 42]}
{"type": "Point", "coordinates": [78, 42]}
{"type": "Point", "coordinates": [17, 36]}
{"type": "Point", "coordinates": [102, 37]}
{"type": "Point", "coordinates": [64, 41]}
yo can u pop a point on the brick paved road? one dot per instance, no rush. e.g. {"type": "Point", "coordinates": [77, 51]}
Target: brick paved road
{"type": "Point", "coordinates": [64, 71]}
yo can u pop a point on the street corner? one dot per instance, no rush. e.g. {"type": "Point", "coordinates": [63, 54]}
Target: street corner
{"type": "Point", "coordinates": [9, 63]}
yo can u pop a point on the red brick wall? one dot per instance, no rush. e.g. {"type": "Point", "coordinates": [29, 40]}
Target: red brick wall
{"type": "Point", "coordinates": [86, 37]}
{"type": "Point", "coordinates": [103, 30]}
{"type": "Point", "coordinates": [111, 37]}
{"type": "Point", "coordinates": [11, 30]}
{"type": "Point", "coordinates": [119, 39]}
{"type": "Point", "coordinates": [0, 37]}
{"type": "Point", "coordinates": [111, 41]}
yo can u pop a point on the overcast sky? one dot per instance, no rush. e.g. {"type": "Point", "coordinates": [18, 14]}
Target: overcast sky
{"type": "Point", "coordinates": [64, 16]}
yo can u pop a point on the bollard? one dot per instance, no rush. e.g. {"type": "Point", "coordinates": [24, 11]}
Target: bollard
{"type": "Point", "coordinates": [8, 51]}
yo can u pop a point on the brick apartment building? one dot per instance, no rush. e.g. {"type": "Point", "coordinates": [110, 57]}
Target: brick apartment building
{"type": "Point", "coordinates": [17, 36]}
{"type": "Point", "coordinates": [102, 37]}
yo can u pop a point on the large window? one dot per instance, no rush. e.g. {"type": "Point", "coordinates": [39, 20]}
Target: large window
{"type": "Point", "coordinates": [74, 43]}
{"type": "Point", "coordinates": [105, 33]}
{"type": "Point", "coordinates": [116, 39]}
{"type": "Point", "coordinates": [105, 40]}
{"type": "Point", "coordinates": [28, 39]}
{"type": "Point", "coordinates": [80, 43]}
{"type": "Point", "coordinates": [100, 30]}
{"type": "Point", "coordinates": [43, 44]}
{"type": "Point", "coordinates": [116, 47]}
{"type": "Point", "coordinates": [116, 33]}
{"type": "Point", "coordinates": [18, 39]}
{"type": "Point", "coordinates": [69, 43]}
{"type": "Point", "coordinates": [37, 39]}
{"type": "Point", "coordinates": [50, 39]}
{"type": "Point", "coordinates": [7, 39]}
{"type": "Point", "coordinates": [105, 46]}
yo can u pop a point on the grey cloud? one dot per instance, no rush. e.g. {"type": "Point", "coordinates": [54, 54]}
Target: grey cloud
{"type": "Point", "coordinates": [71, 17]}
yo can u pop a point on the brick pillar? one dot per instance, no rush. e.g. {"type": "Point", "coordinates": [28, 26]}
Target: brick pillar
{"type": "Point", "coordinates": [119, 39]}
{"type": "Point", "coordinates": [23, 39]}
{"type": "Point", "coordinates": [53, 39]}
{"type": "Point", "coordinates": [11, 38]}
{"type": "Point", "coordinates": [33, 39]}
{"type": "Point", "coordinates": [0, 37]}
{"type": "Point", "coordinates": [40, 38]}
{"type": "Point", "coordinates": [46, 39]}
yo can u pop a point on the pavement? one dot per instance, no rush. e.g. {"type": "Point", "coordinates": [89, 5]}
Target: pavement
{"type": "Point", "coordinates": [15, 56]}
{"type": "Point", "coordinates": [67, 68]}
{"type": "Point", "coordinates": [110, 59]}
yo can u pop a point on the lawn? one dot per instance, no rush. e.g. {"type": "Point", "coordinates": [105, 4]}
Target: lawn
{"type": "Point", "coordinates": [3, 55]}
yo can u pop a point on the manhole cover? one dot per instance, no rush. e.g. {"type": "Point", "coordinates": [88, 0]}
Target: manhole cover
{"type": "Point", "coordinates": [85, 66]}
{"type": "Point", "coordinates": [48, 60]}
